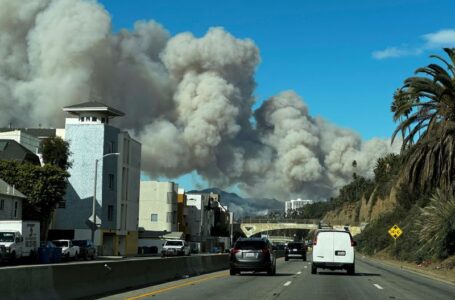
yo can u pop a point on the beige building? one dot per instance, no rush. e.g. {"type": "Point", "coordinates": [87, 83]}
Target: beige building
{"type": "Point", "coordinates": [158, 206]}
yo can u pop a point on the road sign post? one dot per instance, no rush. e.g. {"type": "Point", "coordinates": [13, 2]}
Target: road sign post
{"type": "Point", "coordinates": [395, 232]}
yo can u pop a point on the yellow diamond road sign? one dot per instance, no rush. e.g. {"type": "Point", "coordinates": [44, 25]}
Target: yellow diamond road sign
{"type": "Point", "coordinates": [395, 231]}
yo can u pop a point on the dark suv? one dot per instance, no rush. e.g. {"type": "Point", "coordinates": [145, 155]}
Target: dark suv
{"type": "Point", "coordinates": [295, 250]}
{"type": "Point", "coordinates": [87, 249]}
{"type": "Point", "coordinates": [252, 254]}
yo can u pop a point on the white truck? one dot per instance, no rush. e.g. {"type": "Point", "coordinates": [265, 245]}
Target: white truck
{"type": "Point", "coordinates": [20, 238]}
{"type": "Point", "coordinates": [68, 249]}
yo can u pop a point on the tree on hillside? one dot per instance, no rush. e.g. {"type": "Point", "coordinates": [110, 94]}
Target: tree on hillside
{"type": "Point", "coordinates": [436, 225]}
{"type": "Point", "coordinates": [44, 187]}
{"type": "Point", "coordinates": [425, 110]}
{"type": "Point", "coordinates": [56, 152]}
{"type": "Point", "coordinates": [386, 172]}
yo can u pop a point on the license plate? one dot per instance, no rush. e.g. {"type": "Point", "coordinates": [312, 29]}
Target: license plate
{"type": "Point", "coordinates": [340, 253]}
{"type": "Point", "coordinates": [250, 255]}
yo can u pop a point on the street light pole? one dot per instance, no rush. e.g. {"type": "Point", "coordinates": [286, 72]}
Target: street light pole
{"type": "Point", "coordinates": [231, 221]}
{"type": "Point", "coordinates": [94, 195]}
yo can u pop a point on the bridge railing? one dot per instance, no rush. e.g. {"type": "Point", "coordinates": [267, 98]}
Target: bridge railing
{"type": "Point", "coordinates": [281, 220]}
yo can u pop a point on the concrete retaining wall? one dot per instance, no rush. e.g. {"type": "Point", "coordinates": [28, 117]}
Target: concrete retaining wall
{"type": "Point", "coordinates": [72, 281]}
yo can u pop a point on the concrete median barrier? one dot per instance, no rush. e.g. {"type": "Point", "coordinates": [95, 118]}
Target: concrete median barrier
{"type": "Point", "coordinates": [72, 281]}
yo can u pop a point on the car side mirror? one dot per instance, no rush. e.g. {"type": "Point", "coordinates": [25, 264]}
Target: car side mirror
{"type": "Point", "coordinates": [354, 243]}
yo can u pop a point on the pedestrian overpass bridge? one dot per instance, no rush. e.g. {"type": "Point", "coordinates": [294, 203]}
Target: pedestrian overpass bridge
{"type": "Point", "coordinates": [251, 227]}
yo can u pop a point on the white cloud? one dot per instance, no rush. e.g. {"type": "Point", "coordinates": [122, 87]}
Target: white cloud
{"type": "Point", "coordinates": [393, 52]}
{"type": "Point", "coordinates": [434, 40]}
{"type": "Point", "coordinates": [442, 38]}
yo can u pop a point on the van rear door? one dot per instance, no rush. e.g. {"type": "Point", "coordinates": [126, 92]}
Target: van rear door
{"type": "Point", "coordinates": [342, 247]}
{"type": "Point", "coordinates": [323, 250]}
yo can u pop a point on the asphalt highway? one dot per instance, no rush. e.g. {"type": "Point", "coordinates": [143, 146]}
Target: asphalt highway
{"type": "Point", "coordinates": [294, 280]}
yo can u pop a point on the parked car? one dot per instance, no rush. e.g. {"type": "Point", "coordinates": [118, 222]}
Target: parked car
{"type": "Point", "coordinates": [333, 249]}
{"type": "Point", "coordinates": [87, 249]}
{"type": "Point", "coordinates": [175, 247]}
{"type": "Point", "coordinates": [68, 249]}
{"type": "Point", "coordinates": [252, 254]}
{"type": "Point", "coordinates": [295, 250]}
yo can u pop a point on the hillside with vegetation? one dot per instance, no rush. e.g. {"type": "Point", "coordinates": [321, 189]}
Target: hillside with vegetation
{"type": "Point", "coordinates": [415, 188]}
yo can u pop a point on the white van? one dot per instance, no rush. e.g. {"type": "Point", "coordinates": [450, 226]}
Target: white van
{"type": "Point", "coordinates": [333, 249]}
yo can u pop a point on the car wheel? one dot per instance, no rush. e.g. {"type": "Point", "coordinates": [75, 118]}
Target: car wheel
{"type": "Point", "coordinates": [314, 269]}
{"type": "Point", "coordinates": [13, 257]}
{"type": "Point", "coordinates": [351, 269]}
{"type": "Point", "coordinates": [304, 257]}
{"type": "Point", "coordinates": [232, 271]}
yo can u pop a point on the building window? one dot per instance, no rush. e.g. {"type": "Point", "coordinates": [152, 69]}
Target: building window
{"type": "Point", "coordinates": [154, 218]}
{"type": "Point", "coordinates": [111, 181]}
{"type": "Point", "coordinates": [169, 198]}
{"type": "Point", "coordinates": [169, 217]}
{"type": "Point", "coordinates": [111, 147]}
{"type": "Point", "coordinates": [15, 209]}
{"type": "Point", "coordinates": [103, 120]}
{"type": "Point", "coordinates": [110, 212]}
{"type": "Point", "coordinates": [94, 119]}
{"type": "Point", "coordinates": [2, 204]}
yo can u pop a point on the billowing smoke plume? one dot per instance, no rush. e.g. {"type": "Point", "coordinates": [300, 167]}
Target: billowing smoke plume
{"type": "Point", "coordinates": [187, 99]}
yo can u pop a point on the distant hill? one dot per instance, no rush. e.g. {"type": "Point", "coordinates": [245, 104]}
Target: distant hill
{"type": "Point", "coordinates": [243, 207]}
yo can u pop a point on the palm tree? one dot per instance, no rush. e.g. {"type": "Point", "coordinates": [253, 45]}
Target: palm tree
{"type": "Point", "coordinates": [425, 110]}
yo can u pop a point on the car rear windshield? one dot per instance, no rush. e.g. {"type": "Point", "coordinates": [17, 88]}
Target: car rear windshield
{"type": "Point", "coordinates": [174, 243]}
{"type": "Point", "coordinates": [250, 245]}
{"type": "Point", "coordinates": [295, 245]}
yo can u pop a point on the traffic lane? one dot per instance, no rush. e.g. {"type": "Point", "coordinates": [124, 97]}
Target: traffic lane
{"type": "Point", "coordinates": [335, 284]}
{"type": "Point", "coordinates": [220, 285]}
{"type": "Point", "coordinates": [371, 281]}
{"type": "Point", "coordinates": [403, 284]}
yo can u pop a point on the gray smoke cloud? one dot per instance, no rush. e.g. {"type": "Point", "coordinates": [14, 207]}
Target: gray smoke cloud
{"type": "Point", "coordinates": [187, 99]}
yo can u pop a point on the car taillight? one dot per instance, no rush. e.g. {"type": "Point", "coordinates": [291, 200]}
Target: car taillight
{"type": "Point", "coordinates": [315, 241]}
{"type": "Point", "coordinates": [235, 250]}
{"type": "Point", "coordinates": [266, 251]}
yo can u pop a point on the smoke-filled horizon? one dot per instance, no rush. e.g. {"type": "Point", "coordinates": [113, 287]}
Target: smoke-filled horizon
{"type": "Point", "coordinates": [187, 99]}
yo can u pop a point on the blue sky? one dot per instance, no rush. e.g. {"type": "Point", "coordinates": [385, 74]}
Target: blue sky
{"type": "Point", "coordinates": [345, 58]}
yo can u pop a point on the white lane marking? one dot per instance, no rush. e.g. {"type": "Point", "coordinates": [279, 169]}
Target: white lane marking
{"type": "Point", "coordinates": [298, 273]}
{"type": "Point", "coordinates": [288, 283]}
{"type": "Point", "coordinates": [305, 267]}
{"type": "Point", "coordinates": [378, 286]}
